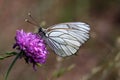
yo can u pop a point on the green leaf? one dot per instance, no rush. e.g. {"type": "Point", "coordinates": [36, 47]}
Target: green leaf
{"type": "Point", "coordinates": [11, 53]}
{"type": "Point", "coordinates": [1, 57]}
{"type": "Point", "coordinates": [8, 55]}
{"type": "Point", "coordinates": [11, 65]}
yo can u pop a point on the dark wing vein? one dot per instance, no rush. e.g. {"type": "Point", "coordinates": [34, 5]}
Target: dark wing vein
{"type": "Point", "coordinates": [66, 41]}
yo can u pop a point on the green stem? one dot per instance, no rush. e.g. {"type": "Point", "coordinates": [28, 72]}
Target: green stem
{"type": "Point", "coordinates": [3, 57]}
{"type": "Point", "coordinates": [10, 67]}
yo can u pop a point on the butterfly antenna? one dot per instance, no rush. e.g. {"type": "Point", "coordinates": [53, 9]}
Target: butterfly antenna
{"type": "Point", "coordinates": [29, 14]}
{"type": "Point", "coordinates": [26, 20]}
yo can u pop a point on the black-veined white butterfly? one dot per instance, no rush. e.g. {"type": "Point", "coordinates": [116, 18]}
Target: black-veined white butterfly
{"type": "Point", "coordinates": [65, 38]}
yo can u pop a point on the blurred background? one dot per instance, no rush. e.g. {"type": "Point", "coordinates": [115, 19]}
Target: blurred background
{"type": "Point", "coordinates": [98, 59]}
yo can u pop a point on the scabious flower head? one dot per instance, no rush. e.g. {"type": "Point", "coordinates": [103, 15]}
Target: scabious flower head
{"type": "Point", "coordinates": [32, 46]}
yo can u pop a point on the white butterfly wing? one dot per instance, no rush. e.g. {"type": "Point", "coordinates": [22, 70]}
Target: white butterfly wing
{"type": "Point", "coordinates": [66, 38]}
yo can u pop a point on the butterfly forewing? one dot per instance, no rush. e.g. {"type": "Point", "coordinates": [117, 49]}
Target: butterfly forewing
{"type": "Point", "coordinates": [66, 38]}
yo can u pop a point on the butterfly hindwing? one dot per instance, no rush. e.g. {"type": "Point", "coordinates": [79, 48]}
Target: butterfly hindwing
{"type": "Point", "coordinates": [66, 38]}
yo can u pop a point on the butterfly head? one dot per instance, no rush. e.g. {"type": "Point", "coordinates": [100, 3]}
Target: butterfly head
{"type": "Point", "coordinates": [41, 32]}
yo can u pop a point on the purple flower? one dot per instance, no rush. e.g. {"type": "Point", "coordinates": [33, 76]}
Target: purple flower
{"type": "Point", "coordinates": [32, 46]}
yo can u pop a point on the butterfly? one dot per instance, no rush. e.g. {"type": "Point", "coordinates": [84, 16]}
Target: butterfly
{"type": "Point", "coordinates": [66, 38]}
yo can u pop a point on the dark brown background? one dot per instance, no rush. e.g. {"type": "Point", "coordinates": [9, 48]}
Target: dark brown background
{"type": "Point", "coordinates": [102, 15]}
